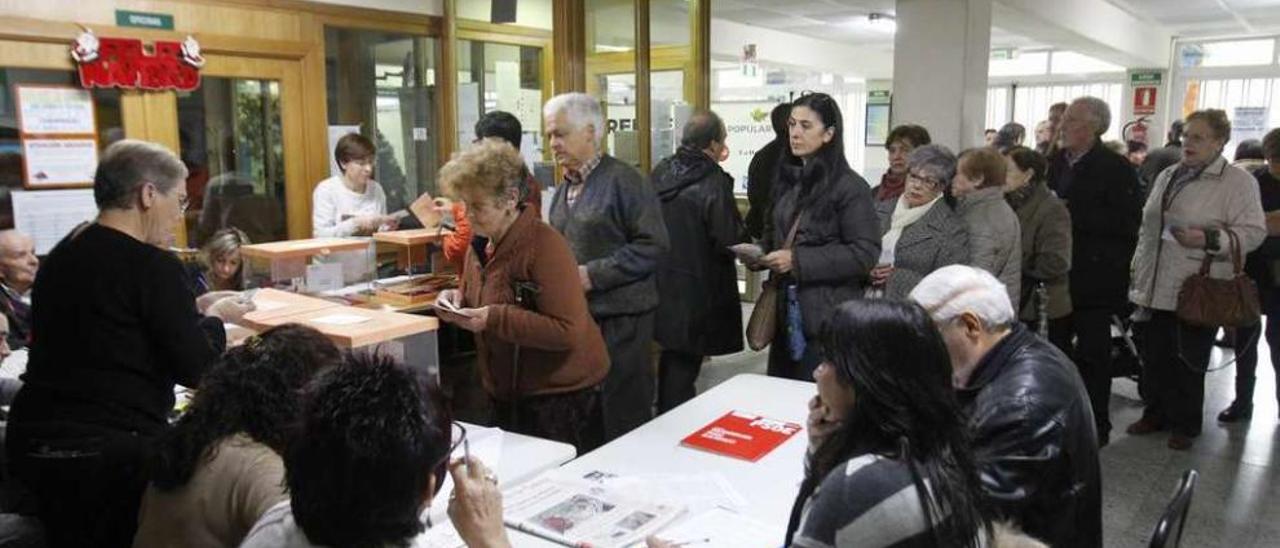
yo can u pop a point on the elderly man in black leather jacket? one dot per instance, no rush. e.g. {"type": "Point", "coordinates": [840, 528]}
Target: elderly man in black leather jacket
{"type": "Point", "coordinates": [1028, 411]}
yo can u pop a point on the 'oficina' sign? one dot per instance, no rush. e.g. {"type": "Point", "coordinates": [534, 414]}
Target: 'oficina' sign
{"type": "Point", "coordinates": [124, 63]}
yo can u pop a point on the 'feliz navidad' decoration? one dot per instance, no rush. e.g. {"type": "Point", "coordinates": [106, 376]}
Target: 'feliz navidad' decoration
{"type": "Point", "coordinates": [124, 63]}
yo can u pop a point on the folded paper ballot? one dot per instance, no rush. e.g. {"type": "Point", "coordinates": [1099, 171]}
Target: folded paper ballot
{"type": "Point", "coordinates": [749, 254]}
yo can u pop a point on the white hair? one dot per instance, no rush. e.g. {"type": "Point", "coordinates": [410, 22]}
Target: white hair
{"type": "Point", "coordinates": [580, 109]}
{"type": "Point", "coordinates": [1100, 111]}
{"type": "Point", "coordinates": [954, 290]}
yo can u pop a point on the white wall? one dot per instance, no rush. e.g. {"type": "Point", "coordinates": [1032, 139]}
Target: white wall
{"type": "Point", "coordinates": [772, 46]}
{"type": "Point", "coordinates": [419, 7]}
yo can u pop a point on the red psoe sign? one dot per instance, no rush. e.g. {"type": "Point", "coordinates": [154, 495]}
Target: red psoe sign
{"type": "Point", "coordinates": [124, 63]}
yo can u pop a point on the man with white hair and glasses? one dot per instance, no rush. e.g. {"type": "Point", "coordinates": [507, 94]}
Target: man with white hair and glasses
{"type": "Point", "coordinates": [1027, 410]}
{"type": "Point", "coordinates": [1102, 194]}
{"type": "Point", "coordinates": [613, 221]}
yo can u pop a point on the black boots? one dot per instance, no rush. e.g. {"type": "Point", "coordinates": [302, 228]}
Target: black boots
{"type": "Point", "coordinates": [1236, 412]}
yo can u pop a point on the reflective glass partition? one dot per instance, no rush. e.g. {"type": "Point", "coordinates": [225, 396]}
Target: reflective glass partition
{"type": "Point", "coordinates": [671, 66]}
{"type": "Point", "coordinates": [507, 77]}
{"type": "Point", "coordinates": [383, 85]}
{"type": "Point", "coordinates": [230, 135]}
{"type": "Point", "coordinates": [610, 67]}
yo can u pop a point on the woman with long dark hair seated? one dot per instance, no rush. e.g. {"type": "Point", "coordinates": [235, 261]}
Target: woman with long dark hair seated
{"type": "Point", "coordinates": [836, 233]}
{"type": "Point", "coordinates": [219, 469]}
{"type": "Point", "coordinates": [889, 461]}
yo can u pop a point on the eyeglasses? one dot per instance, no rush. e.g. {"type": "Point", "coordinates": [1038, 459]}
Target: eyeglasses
{"type": "Point", "coordinates": [183, 203]}
{"type": "Point", "coordinates": [924, 180]}
{"type": "Point", "coordinates": [458, 435]}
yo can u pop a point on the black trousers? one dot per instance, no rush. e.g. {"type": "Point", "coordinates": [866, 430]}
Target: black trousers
{"type": "Point", "coordinates": [1175, 357]}
{"type": "Point", "coordinates": [1247, 358]}
{"type": "Point", "coordinates": [677, 374]}
{"type": "Point", "coordinates": [1092, 355]}
{"type": "Point", "coordinates": [87, 481]}
{"type": "Point", "coordinates": [628, 390]}
{"type": "Point", "coordinates": [1060, 333]}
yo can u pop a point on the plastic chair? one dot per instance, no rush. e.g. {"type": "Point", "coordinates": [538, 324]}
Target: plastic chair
{"type": "Point", "coordinates": [1169, 528]}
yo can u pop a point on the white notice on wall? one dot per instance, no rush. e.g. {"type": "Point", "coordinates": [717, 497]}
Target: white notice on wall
{"type": "Point", "coordinates": [55, 110]}
{"type": "Point", "coordinates": [59, 161]}
{"type": "Point", "coordinates": [1248, 123]}
{"type": "Point", "coordinates": [48, 215]}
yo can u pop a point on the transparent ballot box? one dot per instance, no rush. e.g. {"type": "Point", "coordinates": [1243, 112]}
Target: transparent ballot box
{"type": "Point", "coordinates": [406, 337]}
{"type": "Point", "coordinates": [310, 266]}
{"type": "Point", "coordinates": [418, 251]}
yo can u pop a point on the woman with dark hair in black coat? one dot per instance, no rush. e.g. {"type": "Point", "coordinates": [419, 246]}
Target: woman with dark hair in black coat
{"type": "Point", "coordinates": [837, 238]}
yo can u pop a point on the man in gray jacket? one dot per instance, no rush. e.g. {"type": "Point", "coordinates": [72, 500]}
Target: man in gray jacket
{"type": "Point", "coordinates": [613, 221]}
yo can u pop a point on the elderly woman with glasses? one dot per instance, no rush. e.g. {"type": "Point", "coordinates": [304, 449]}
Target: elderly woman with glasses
{"type": "Point", "coordinates": [542, 356]}
{"type": "Point", "coordinates": [924, 233]}
{"type": "Point", "coordinates": [118, 327]}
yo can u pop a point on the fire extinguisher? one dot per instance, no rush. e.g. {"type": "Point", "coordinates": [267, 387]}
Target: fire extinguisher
{"type": "Point", "coordinates": [1136, 130]}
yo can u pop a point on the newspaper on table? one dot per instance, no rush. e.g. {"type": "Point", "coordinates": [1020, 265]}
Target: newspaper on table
{"type": "Point", "coordinates": [572, 512]}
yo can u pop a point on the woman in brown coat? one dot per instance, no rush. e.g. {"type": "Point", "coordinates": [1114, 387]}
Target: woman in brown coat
{"type": "Point", "coordinates": [541, 356]}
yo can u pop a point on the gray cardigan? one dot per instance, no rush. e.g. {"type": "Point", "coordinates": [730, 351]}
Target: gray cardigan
{"type": "Point", "coordinates": [615, 228]}
{"type": "Point", "coordinates": [995, 238]}
{"type": "Point", "coordinates": [937, 239]}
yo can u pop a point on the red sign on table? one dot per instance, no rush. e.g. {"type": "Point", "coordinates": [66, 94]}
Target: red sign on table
{"type": "Point", "coordinates": [741, 435]}
{"type": "Point", "coordinates": [1144, 101]}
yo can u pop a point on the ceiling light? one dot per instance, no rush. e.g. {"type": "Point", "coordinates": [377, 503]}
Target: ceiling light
{"type": "Point", "coordinates": [882, 22]}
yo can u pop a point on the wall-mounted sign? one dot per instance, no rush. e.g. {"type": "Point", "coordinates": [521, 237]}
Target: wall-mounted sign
{"type": "Point", "coordinates": [44, 110]}
{"type": "Point", "coordinates": [1144, 101]}
{"type": "Point", "coordinates": [144, 20]}
{"type": "Point", "coordinates": [879, 97]}
{"type": "Point", "coordinates": [123, 63]}
{"type": "Point", "coordinates": [1145, 78]}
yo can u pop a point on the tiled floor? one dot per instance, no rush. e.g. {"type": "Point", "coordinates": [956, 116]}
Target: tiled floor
{"type": "Point", "coordinates": [1237, 500]}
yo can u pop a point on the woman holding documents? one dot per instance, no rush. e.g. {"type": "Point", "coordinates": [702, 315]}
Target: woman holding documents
{"type": "Point", "coordinates": [923, 233]}
{"type": "Point", "coordinates": [541, 356]}
{"type": "Point", "coordinates": [822, 238]}
{"type": "Point", "coordinates": [114, 327]}
{"type": "Point", "coordinates": [352, 203]}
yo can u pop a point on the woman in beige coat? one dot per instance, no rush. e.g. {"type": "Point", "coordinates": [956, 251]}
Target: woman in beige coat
{"type": "Point", "coordinates": [1191, 208]}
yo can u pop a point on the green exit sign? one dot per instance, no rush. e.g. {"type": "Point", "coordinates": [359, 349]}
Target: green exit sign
{"type": "Point", "coordinates": [144, 20]}
{"type": "Point", "coordinates": [1145, 77]}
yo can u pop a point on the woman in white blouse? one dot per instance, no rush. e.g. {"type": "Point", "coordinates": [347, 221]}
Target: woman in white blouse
{"type": "Point", "coordinates": [351, 204]}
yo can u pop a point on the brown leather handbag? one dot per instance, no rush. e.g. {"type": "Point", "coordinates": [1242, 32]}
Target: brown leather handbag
{"type": "Point", "coordinates": [763, 324]}
{"type": "Point", "coordinates": [1211, 302]}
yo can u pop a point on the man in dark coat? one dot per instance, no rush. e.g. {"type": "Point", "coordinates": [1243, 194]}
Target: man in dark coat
{"type": "Point", "coordinates": [1026, 409]}
{"type": "Point", "coordinates": [697, 281]}
{"type": "Point", "coordinates": [763, 171]}
{"type": "Point", "coordinates": [1161, 158]}
{"type": "Point", "coordinates": [1101, 192]}
{"type": "Point", "coordinates": [612, 219]}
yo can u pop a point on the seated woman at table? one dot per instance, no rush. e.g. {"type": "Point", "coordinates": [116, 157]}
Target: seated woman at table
{"type": "Point", "coordinates": [220, 267]}
{"type": "Point", "coordinates": [542, 358]}
{"type": "Point", "coordinates": [118, 327]}
{"type": "Point", "coordinates": [219, 469]}
{"type": "Point", "coordinates": [352, 203]}
{"type": "Point", "coordinates": [368, 457]}
{"type": "Point", "coordinates": [886, 438]}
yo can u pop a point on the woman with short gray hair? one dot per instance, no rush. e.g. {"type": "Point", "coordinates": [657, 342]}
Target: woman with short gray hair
{"type": "Point", "coordinates": [923, 233]}
{"type": "Point", "coordinates": [118, 326]}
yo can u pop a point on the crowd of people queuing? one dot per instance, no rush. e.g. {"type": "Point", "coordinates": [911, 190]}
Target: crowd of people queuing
{"type": "Point", "coordinates": [956, 319]}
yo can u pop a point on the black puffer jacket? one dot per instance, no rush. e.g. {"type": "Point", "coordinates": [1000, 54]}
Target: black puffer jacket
{"type": "Point", "coordinates": [698, 307]}
{"type": "Point", "coordinates": [1034, 440]}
